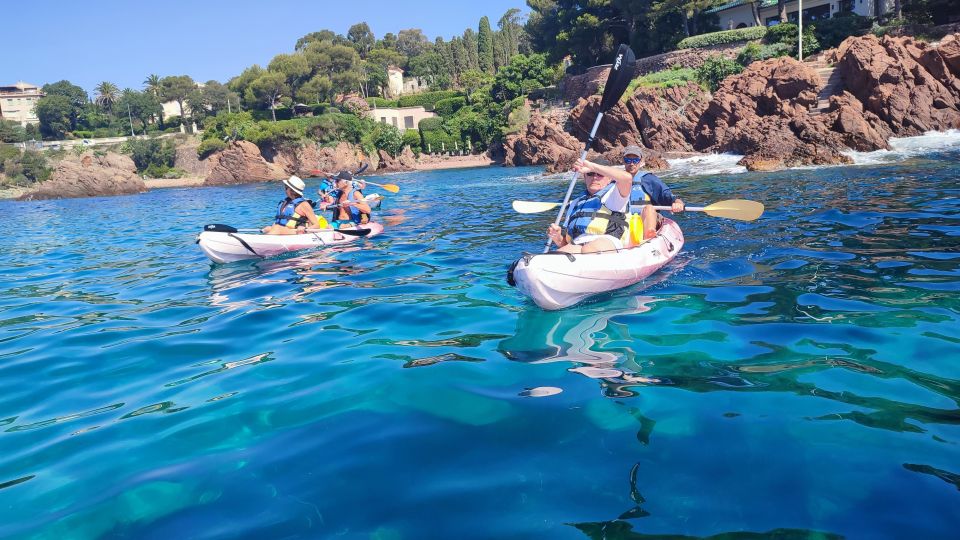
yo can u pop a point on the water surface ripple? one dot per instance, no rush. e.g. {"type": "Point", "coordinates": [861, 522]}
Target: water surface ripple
{"type": "Point", "coordinates": [797, 374]}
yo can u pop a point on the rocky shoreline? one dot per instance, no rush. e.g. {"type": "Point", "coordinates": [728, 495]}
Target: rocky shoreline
{"type": "Point", "coordinates": [889, 87]}
{"type": "Point", "coordinates": [777, 114]}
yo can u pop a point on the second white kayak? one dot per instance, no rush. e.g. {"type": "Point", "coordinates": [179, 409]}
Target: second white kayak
{"type": "Point", "coordinates": [556, 280]}
{"type": "Point", "coordinates": [225, 247]}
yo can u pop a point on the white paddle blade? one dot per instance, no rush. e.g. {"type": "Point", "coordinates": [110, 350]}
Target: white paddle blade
{"type": "Point", "coordinates": [533, 207]}
{"type": "Point", "coordinates": [741, 209]}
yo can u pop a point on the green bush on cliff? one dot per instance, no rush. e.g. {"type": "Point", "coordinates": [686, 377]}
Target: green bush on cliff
{"type": "Point", "coordinates": [715, 69]}
{"type": "Point", "coordinates": [426, 99]}
{"type": "Point", "coordinates": [720, 38]}
{"type": "Point", "coordinates": [383, 137]}
{"type": "Point", "coordinates": [668, 78]}
{"type": "Point", "coordinates": [382, 103]}
{"type": "Point", "coordinates": [411, 138]}
{"type": "Point", "coordinates": [22, 168]}
{"type": "Point", "coordinates": [153, 157]}
{"type": "Point", "coordinates": [446, 107]}
{"type": "Point", "coordinates": [788, 34]}
{"type": "Point", "coordinates": [753, 52]}
{"type": "Point", "coordinates": [209, 146]}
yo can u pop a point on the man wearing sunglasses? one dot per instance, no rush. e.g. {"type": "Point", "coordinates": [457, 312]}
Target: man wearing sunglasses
{"type": "Point", "coordinates": [648, 189]}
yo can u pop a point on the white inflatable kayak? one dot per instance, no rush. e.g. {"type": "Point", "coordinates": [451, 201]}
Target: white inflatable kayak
{"type": "Point", "coordinates": [225, 247]}
{"type": "Point", "coordinates": [557, 280]}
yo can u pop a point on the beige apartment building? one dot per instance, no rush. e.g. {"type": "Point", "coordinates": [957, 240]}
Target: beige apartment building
{"type": "Point", "coordinates": [402, 117]}
{"type": "Point", "coordinates": [17, 102]}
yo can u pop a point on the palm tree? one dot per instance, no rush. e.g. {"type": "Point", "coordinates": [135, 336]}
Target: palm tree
{"type": "Point", "coordinates": [152, 84]}
{"type": "Point", "coordinates": [107, 94]}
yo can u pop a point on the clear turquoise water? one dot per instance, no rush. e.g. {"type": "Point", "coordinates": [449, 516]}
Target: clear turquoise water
{"type": "Point", "coordinates": [799, 373]}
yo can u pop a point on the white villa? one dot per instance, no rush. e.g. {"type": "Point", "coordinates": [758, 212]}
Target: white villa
{"type": "Point", "coordinates": [397, 85]}
{"type": "Point", "coordinates": [402, 117]}
{"type": "Point", "coordinates": [744, 13]}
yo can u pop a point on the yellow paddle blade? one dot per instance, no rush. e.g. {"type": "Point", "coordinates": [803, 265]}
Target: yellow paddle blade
{"type": "Point", "coordinates": [741, 209]}
{"type": "Point", "coordinates": [392, 188]}
{"type": "Point", "coordinates": [533, 207]}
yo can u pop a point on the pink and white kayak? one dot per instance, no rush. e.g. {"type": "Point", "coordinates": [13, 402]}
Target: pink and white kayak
{"type": "Point", "coordinates": [556, 280]}
{"type": "Point", "coordinates": [226, 247]}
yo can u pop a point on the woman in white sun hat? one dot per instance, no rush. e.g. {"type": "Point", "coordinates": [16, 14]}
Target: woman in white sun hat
{"type": "Point", "coordinates": [294, 213]}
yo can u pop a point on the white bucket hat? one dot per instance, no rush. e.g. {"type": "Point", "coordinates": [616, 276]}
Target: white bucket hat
{"type": "Point", "coordinates": [296, 184]}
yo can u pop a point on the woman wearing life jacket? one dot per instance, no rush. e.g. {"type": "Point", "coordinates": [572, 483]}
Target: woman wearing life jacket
{"type": "Point", "coordinates": [596, 220]}
{"type": "Point", "coordinates": [347, 212]}
{"type": "Point", "coordinates": [648, 189]}
{"type": "Point", "coordinates": [294, 213]}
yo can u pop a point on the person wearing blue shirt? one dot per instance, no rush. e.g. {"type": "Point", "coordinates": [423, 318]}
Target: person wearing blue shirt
{"type": "Point", "coordinates": [648, 191]}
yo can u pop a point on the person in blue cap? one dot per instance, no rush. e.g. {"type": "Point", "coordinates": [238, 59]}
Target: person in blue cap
{"type": "Point", "coordinates": [648, 191]}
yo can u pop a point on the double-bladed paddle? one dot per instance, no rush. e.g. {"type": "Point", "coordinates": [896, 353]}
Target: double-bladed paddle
{"type": "Point", "coordinates": [219, 227]}
{"type": "Point", "coordinates": [621, 72]}
{"type": "Point", "coordinates": [392, 188]}
{"type": "Point", "coordinates": [741, 209]}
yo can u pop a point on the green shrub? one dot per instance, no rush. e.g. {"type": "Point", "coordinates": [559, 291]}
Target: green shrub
{"type": "Point", "coordinates": [158, 153]}
{"type": "Point", "coordinates": [426, 99]}
{"type": "Point", "coordinates": [438, 136]}
{"type": "Point", "coordinates": [715, 69]}
{"type": "Point", "coordinates": [23, 168]}
{"type": "Point", "coordinates": [831, 32]}
{"type": "Point", "coordinates": [82, 134]}
{"type": "Point", "coordinates": [411, 138]}
{"type": "Point", "coordinates": [320, 108]}
{"type": "Point", "coordinates": [726, 36]}
{"type": "Point", "coordinates": [448, 106]}
{"type": "Point", "coordinates": [668, 78]}
{"type": "Point", "coordinates": [384, 137]}
{"type": "Point", "coordinates": [209, 146]}
{"type": "Point", "coordinates": [382, 103]}
{"type": "Point", "coordinates": [753, 52]}
{"type": "Point", "coordinates": [786, 33]}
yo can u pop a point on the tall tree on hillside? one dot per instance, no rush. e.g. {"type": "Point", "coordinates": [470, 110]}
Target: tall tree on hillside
{"type": "Point", "coordinates": [511, 28]}
{"type": "Point", "coordinates": [470, 44]}
{"type": "Point", "coordinates": [268, 88]}
{"type": "Point", "coordinates": [362, 38]}
{"type": "Point", "coordinates": [54, 113]}
{"type": "Point", "coordinates": [587, 30]}
{"type": "Point", "coordinates": [317, 89]}
{"type": "Point", "coordinates": [389, 41]}
{"type": "Point", "coordinates": [461, 61]}
{"type": "Point", "coordinates": [485, 45]}
{"type": "Point", "coordinates": [107, 94]}
{"type": "Point", "coordinates": [140, 105]}
{"type": "Point", "coordinates": [241, 83]}
{"type": "Point", "coordinates": [412, 42]}
{"type": "Point", "coordinates": [76, 98]}
{"type": "Point", "coordinates": [322, 35]}
{"type": "Point", "coordinates": [177, 88]}
{"type": "Point", "coordinates": [294, 69]}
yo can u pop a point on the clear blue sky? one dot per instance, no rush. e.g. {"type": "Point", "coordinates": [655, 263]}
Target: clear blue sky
{"type": "Point", "coordinates": [122, 41]}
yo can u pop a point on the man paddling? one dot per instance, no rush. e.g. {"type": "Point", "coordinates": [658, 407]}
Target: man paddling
{"type": "Point", "coordinates": [648, 189]}
{"type": "Point", "coordinates": [595, 220]}
{"type": "Point", "coordinates": [347, 213]}
{"type": "Point", "coordinates": [294, 212]}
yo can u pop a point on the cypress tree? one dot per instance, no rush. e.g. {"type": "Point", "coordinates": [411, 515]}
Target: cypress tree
{"type": "Point", "coordinates": [485, 45]}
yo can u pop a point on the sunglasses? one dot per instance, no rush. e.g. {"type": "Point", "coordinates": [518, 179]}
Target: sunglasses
{"type": "Point", "coordinates": [632, 160]}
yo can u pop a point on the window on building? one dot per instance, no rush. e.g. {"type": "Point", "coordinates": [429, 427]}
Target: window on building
{"type": "Point", "coordinates": [394, 121]}
{"type": "Point", "coordinates": [817, 13]}
{"type": "Point", "coordinates": [408, 122]}
{"type": "Point", "coordinates": [383, 119]}
{"type": "Point", "coordinates": [845, 6]}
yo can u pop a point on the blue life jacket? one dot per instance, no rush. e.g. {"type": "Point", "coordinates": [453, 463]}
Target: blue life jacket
{"type": "Point", "coordinates": [287, 215]}
{"type": "Point", "coordinates": [588, 215]}
{"type": "Point", "coordinates": [638, 197]}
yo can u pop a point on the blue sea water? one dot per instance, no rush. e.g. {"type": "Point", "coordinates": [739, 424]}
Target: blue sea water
{"type": "Point", "coordinates": [798, 375]}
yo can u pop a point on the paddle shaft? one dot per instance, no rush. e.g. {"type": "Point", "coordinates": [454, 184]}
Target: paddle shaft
{"type": "Point", "coordinates": [573, 177]}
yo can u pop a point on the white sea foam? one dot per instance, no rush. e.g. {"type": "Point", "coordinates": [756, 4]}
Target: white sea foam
{"type": "Point", "coordinates": [907, 147]}
{"type": "Point", "coordinates": [706, 164]}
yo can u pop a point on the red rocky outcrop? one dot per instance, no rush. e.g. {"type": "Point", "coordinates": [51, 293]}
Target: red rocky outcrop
{"type": "Point", "coordinates": [542, 142]}
{"type": "Point", "coordinates": [763, 113]}
{"type": "Point", "coordinates": [90, 176]}
{"type": "Point", "coordinates": [405, 161]}
{"type": "Point", "coordinates": [908, 84]}
{"type": "Point", "coordinates": [303, 161]}
{"type": "Point", "coordinates": [241, 163]}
